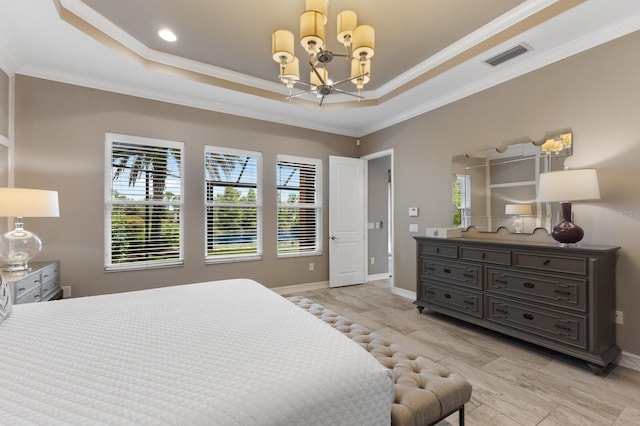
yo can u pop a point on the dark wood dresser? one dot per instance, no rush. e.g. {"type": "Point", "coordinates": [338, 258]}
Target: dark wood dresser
{"type": "Point", "coordinates": [562, 298]}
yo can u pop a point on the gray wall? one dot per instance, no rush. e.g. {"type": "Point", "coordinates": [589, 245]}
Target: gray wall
{"type": "Point", "coordinates": [596, 95]}
{"type": "Point", "coordinates": [378, 206]}
{"type": "Point", "coordinates": [60, 132]}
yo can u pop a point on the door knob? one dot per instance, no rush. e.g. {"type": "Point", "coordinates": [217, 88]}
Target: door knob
{"type": "Point", "coordinates": [333, 237]}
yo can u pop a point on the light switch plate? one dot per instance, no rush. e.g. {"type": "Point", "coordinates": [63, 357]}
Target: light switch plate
{"type": "Point", "coordinates": [413, 227]}
{"type": "Point", "coordinates": [413, 212]}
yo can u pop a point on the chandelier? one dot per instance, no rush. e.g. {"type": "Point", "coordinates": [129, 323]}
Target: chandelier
{"type": "Point", "coordinates": [358, 40]}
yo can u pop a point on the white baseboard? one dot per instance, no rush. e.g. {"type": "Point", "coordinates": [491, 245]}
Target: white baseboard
{"type": "Point", "coordinates": [297, 288]}
{"type": "Point", "coordinates": [407, 294]}
{"type": "Point", "coordinates": [629, 360]}
{"type": "Point", "coordinates": [374, 277]}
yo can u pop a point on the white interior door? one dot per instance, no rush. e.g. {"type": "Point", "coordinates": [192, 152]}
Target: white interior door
{"type": "Point", "coordinates": [347, 223]}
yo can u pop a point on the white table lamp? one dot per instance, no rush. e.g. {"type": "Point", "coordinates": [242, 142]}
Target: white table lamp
{"type": "Point", "coordinates": [517, 210]}
{"type": "Point", "coordinates": [19, 246]}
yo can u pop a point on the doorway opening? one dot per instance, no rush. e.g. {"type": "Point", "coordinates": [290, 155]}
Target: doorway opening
{"type": "Point", "coordinates": [379, 208]}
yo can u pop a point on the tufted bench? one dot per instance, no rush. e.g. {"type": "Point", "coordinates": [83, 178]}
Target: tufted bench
{"type": "Point", "coordinates": [425, 393]}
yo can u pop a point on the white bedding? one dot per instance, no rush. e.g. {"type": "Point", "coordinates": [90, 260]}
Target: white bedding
{"type": "Point", "coordinates": [218, 353]}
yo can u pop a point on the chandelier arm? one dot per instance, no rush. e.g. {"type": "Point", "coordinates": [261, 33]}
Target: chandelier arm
{"type": "Point", "coordinates": [305, 83]}
{"type": "Point", "coordinates": [297, 95]}
{"type": "Point", "coordinates": [317, 73]}
{"type": "Point", "coordinates": [344, 92]}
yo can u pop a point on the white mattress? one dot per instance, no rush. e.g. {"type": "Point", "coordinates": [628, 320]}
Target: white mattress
{"type": "Point", "coordinates": [218, 353]}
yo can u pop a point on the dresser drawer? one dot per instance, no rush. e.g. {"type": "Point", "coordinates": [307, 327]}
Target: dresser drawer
{"type": "Point", "coordinates": [453, 273]}
{"type": "Point", "coordinates": [549, 324]}
{"type": "Point", "coordinates": [499, 257]}
{"type": "Point", "coordinates": [453, 298]}
{"type": "Point", "coordinates": [26, 287]}
{"type": "Point", "coordinates": [542, 262]}
{"type": "Point", "coordinates": [555, 290]}
{"type": "Point", "coordinates": [441, 250]}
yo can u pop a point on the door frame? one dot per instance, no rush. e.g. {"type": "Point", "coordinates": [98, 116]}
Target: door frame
{"type": "Point", "coordinates": [373, 156]}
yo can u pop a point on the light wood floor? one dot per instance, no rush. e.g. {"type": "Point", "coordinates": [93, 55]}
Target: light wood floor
{"type": "Point", "coordinates": [513, 383]}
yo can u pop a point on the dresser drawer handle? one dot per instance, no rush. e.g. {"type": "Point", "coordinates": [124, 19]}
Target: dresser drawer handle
{"type": "Point", "coordinates": [21, 289]}
{"type": "Point", "coordinates": [546, 262]}
{"type": "Point", "coordinates": [447, 296]}
{"type": "Point", "coordinates": [529, 285]}
{"type": "Point", "coordinates": [437, 249]}
{"type": "Point", "coordinates": [430, 292]}
{"type": "Point", "coordinates": [430, 268]}
{"type": "Point", "coordinates": [484, 255]}
{"type": "Point", "coordinates": [565, 292]}
{"type": "Point", "coordinates": [500, 281]}
{"type": "Point", "coordinates": [468, 302]}
{"type": "Point", "coordinates": [562, 327]}
{"type": "Point", "coordinates": [446, 270]}
{"type": "Point", "coordinates": [468, 275]}
{"type": "Point", "coordinates": [502, 311]}
{"type": "Point", "coordinates": [527, 316]}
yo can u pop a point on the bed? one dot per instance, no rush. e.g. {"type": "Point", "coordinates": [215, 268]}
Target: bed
{"type": "Point", "coordinates": [226, 352]}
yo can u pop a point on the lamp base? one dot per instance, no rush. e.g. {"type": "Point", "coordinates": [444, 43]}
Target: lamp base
{"type": "Point", "coordinates": [18, 247]}
{"type": "Point", "coordinates": [567, 232]}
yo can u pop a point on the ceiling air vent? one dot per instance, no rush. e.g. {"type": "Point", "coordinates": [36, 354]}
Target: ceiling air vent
{"type": "Point", "coordinates": [507, 55]}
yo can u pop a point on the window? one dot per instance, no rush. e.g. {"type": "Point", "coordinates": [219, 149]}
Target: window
{"type": "Point", "coordinates": [299, 205]}
{"type": "Point", "coordinates": [233, 204]}
{"type": "Point", "coordinates": [143, 203]}
{"type": "Point", "coordinates": [461, 197]}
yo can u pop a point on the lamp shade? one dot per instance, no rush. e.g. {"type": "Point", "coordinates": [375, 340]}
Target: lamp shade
{"type": "Point", "coordinates": [282, 42]}
{"type": "Point", "coordinates": [569, 185]}
{"type": "Point", "coordinates": [364, 41]}
{"type": "Point", "coordinates": [312, 30]}
{"type": "Point", "coordinates": [517, 209]}
{"type": "Point", "coordinates": [20, 202]}
{"type": "Point", "coordinates": [347, 21]}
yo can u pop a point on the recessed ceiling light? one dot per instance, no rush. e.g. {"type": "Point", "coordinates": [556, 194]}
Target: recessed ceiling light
{"type": "Point", "coordinates": [167, 35]}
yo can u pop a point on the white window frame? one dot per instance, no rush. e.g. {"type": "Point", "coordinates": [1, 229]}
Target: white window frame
{"type": "Point", "coordinates": [110, 139]}
{"type": "Point", "coordinates": [259, 210]}
{"type": "Point", "coordinates": [317, 206]}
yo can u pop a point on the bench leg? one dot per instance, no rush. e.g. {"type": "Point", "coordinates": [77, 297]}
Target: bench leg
{"type": "Point", "coordinates": [461, 416]}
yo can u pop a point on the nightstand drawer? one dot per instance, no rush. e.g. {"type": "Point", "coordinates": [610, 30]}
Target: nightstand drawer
{"type": "Point", "coordinates": [29, 297]}
{"type": "Point", "coordinates": [554, 290]}
{"type": "Point", "coordinates": [50, 280]}
{"type": "Point", "coordinates": [542, 262]}
{"type": "Point", "coordinates": [26, 286]}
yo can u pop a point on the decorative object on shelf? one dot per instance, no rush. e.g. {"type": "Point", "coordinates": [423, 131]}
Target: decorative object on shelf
{"type": "Point", "coordinates": [566, 186]}
{"type": "Point", "coordinates": [517, 210]}
{"type": "Point", "coordinates": [19, 246]}
{"type": "Point", "coordinates": [358, 40]}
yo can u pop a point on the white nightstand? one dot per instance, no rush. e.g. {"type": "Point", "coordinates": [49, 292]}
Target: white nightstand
{"type": "Point", "coordinates": [39, 284]}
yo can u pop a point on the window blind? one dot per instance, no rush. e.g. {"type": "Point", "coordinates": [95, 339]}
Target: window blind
{"type": "Point", "coordinates": [233, 207]}
{"type": "Point", "coordinates": [299, 205]}
{"type": "Point", "coordinates": [143, 203]}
